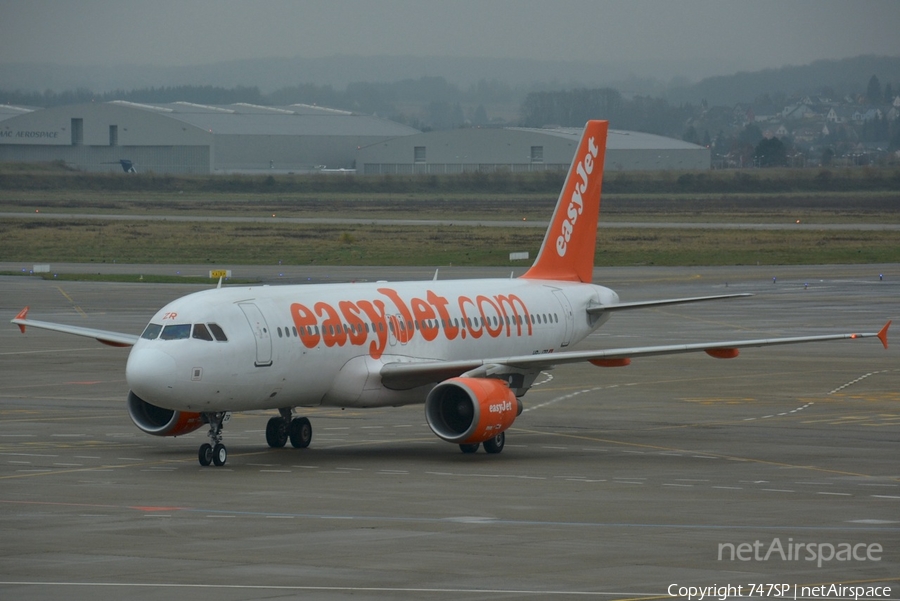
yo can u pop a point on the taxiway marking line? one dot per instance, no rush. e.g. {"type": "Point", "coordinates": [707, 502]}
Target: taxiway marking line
{"type": "Point", "coordinates": [346, 589]}
{"type": "Point", "coordinates": [192, 512]}
{"type": "Point", "coordinates": [707, 455]}
{"type": "Point", "coordinates": [69, 298]}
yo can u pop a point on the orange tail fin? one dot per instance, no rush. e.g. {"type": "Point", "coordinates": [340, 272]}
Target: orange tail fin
{"type": "Point", "coordinates": [567, 252]}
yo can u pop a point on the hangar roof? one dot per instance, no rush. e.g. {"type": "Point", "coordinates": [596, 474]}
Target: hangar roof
{"type": "Point", "coordinates": [295, 119]}
{"type": "Point", "coordinates": [618, 139]}
{"type": "Point", "coordinates": [8, 110]}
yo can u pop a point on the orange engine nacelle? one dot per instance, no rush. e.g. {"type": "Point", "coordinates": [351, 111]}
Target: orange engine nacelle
{"type": "Point", "coordinates": [471, 410]}
{"type": "Point", "coordinates": [161, 422]}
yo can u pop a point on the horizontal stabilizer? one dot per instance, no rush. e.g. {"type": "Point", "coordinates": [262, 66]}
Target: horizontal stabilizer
{"type": "Point", "coordinates": [662, 302]}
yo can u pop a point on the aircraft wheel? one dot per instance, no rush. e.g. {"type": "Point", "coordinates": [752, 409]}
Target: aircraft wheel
{"type": "Point", "coordinates": [495, 444]}
{"type": "Point", "coordinates": [219, 455]}
{"type": "Point", "coordinates": [300, 432]}
{"type": "Point", "coordinates": [276, 432]}
{"type": "Point", "coordinates": [468, 449]}
{"type": "Point", "coordinates": [206, 454]}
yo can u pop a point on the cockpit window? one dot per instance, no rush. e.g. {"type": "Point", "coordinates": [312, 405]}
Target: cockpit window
{"type": "Point", "coordinates": [176, 332]}
{"type": "Point", "coordinates": [201, 333]}
{"type": "Point", "coordinates": [217, 332]}
{"type": "Point", "coordinates": [152, 331]}
{"type": "Point", "coordinates": [182, 331]}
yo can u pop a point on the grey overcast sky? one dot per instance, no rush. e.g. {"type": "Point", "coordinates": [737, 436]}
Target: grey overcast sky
{"type": "Point", "coordinates": [722, 36]}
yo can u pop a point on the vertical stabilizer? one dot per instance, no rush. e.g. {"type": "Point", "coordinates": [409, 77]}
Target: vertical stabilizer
{"type": "Point", "coordinates": [567, 252]}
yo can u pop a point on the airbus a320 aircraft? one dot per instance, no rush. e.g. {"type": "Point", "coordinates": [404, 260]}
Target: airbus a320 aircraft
{"type": "Point", "coordinates": [467, 349]}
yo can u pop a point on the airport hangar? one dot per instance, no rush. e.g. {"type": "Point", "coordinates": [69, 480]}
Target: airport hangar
{"type": "Point", "coordinates": [190, 138]}
{"type": "Point", "coordinates": [518, 149]}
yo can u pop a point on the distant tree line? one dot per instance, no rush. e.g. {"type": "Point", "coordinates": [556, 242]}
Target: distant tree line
{"type": "Point", "coordinates": [831, 78]}
{"type": "Point", "coordinates": [425, 103]}
{"type": "Point", "coordinates": [433, 103]}
{"type": "Point", "coordinates": [572, 108]}
{"type": "Point", "coordinates": [198, 94]}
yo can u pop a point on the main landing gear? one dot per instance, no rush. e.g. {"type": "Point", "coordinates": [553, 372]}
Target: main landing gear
{"type": "Point", "coordinates": [491, 445]}
{"type": "Point", "coordinates": [214, 451]}
{"type": "Point", "coordinates": [280, 429]}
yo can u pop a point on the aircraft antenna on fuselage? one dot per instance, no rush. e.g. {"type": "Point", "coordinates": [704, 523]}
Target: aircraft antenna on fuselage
{"type": "Point", "coordinates": [567, 253]}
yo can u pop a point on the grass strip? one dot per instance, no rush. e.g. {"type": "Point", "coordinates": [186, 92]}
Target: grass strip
{"type": "Point", "coordinates": [130, 278]}
{"type": "Point", "coordinates": [216, 244]}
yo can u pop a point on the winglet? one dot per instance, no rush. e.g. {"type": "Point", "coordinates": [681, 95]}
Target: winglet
{"type": "Point", "coordinates": [567, 253]}
{"type": "Point", "coordinates": [882, 335]}
{"type": "Point", "coordinates": [23, 314]}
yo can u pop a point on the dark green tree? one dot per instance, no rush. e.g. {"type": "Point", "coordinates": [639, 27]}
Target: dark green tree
{"type": "Point", "coordinates": [770, 152]}
{"type": "Point", "coordinates": [873, 91]}
{"type": "Point", "coordinates": [480, 117]}
{"type": "Point", "coordinates": [895, 141]}
{"type": "Point", "coordinates": [721, 144]}
{"type": "Point", "coordinates": [750, 135]}
{"type": "Point", "coordinates": [691, 135]}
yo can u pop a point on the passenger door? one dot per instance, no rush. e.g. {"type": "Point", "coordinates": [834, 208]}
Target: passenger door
{"type": "Point", "coordinates": [260, 333]}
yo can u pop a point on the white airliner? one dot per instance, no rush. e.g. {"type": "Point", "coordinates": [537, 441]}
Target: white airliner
{"type": "Point", "coordinates": [467, 349]}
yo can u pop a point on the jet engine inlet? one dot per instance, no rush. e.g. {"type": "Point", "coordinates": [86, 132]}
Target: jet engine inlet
{"type": "Point", "coordinates": [161, 422]}
{"type": "Point", "coordinates": [471, 410]}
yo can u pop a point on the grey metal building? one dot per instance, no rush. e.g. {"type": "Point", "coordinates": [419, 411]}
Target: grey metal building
{"type": "Point", "coordinates": [183, 137]}
{"type": "Point", "coordinates": [523, 149]}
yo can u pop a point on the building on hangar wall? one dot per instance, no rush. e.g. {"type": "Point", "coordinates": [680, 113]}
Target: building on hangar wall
{"type": "Point", "coordinates": [521, 150]}
{"type": "Point", "coordinates": [188, 138]}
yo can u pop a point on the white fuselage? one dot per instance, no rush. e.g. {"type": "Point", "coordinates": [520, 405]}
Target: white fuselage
{"type": "Point", "coordinates": [308, 345]}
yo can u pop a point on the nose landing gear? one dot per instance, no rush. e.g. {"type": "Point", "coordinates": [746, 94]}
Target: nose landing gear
{"type": "Point", "coordinates": [278, 431]}
{"type": "Point", "coordinates": [214, 452]}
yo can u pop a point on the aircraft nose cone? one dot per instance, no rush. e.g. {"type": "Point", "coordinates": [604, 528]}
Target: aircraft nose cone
{"type": "Point", "coordinates": [150, 373]}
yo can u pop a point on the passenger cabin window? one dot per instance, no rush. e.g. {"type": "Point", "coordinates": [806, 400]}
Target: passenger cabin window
{"type": "Point", "coordinates": [151, 331]}
{"type": "Point", "coordinates": [178, 331]}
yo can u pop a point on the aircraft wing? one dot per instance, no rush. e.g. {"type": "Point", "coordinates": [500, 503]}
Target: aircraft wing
{"type": "Point", "coordinates": [401, 376]}
{"type": "Point", "coordinates": [104, 336]}
{"type": "Point", "coordinates": [657, 303]}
